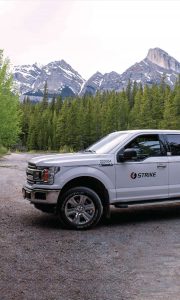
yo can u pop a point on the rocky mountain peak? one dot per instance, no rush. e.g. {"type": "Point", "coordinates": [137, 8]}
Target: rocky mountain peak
{"type": "Point", "coordinates": [64, 64]}
{"type": "Point", "coordinates": [63, 80]}
{"type": "Point", "coordinates": [163, 59]}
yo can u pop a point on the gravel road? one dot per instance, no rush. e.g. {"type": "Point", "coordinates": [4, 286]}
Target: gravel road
{"type": "Point", "coordinates": [135, 256]}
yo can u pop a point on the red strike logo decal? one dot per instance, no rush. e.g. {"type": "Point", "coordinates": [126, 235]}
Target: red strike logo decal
{"type": "Point", "coordinates": [133, 175]}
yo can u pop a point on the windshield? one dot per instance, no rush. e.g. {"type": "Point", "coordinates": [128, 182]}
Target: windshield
{"type": "Point", "coordinates": [107, 143]}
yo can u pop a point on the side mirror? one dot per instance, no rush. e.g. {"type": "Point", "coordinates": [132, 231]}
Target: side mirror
{"type": "Point", "coordinates": [128, 154]}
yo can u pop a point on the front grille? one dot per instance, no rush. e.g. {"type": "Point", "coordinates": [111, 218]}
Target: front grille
{"type": "Point", "coordinates": [31, 166]}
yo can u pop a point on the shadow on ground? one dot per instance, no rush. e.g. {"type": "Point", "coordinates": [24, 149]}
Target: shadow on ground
{"type": "Point", "coordinates": [127, 216]}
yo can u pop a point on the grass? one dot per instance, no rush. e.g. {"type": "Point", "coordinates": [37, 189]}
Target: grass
{"type": "Point", "coordinates": [64, 149]}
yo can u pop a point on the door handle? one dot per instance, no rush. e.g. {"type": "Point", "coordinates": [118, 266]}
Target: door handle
{"type": "Point", "coordinates": [161, 166]}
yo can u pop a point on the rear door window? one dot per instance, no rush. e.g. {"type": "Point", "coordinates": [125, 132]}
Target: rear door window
{"type": "Point", "coordinates": [174, 143]}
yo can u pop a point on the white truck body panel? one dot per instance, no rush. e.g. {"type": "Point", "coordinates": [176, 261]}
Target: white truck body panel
{"type": "Point", "coordinates": [154, 177]}
{"type": "Point", "coordinates": [174, 176]}
{"type": "Point", "coordinates": [142, 187]}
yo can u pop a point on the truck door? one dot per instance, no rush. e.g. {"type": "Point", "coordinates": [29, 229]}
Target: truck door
{"type": "Point", "coordinates": [144, 177]}
{"type": "Point", "coordinates": [174, 165]}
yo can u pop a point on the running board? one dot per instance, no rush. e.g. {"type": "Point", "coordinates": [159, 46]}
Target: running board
{"type": "Point", "coordinates": [145, 202]}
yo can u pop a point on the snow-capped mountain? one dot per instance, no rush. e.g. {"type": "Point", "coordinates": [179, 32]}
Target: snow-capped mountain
{"type": "Point", "coordinates": [62, 79]}
{"type": "Point", "coordinates": [157, 65]}
{"type": "Point", "coordinates": [100, 82]}
{"type": "Point", "coordinates": [25, 77]}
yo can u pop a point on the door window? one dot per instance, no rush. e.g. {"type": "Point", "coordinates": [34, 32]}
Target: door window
{"type": "Point", "coordinates": [174, 143]}
{"type": "Point", "coordinates": [147, 146]}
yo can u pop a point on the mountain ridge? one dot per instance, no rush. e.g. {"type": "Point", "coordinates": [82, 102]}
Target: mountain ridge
{"type": "Point", "coordinates": [62, 79]}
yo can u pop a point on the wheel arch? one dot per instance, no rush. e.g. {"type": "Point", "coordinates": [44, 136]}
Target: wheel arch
{"type": "Point", "coordinates": [90, 182]}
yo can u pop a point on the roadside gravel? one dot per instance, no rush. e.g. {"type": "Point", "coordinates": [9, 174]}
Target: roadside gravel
{"type": "Point", "coordinates": [136, 256]}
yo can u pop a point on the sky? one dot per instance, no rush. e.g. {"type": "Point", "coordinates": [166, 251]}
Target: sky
{"type": "Point", "coordinates": [90, 35]}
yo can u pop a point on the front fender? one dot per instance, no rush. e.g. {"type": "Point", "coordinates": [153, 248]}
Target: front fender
{"type": "Point", "coordinates": [106, 175]}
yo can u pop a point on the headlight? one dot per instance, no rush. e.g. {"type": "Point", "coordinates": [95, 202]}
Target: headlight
{"type": "Point", "coordinates": [48, 174]}
{"type": "Point", "coordinates": [45, 174]}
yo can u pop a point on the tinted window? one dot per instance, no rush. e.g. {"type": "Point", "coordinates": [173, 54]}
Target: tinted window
{"type": "Point", "coordinates": [146, 146]}
{"type": "Point", "coordinates": [174, 143]}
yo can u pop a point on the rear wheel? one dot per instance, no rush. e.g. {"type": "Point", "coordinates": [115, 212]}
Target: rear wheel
{"type": "Point", "coordinates": [80, 208]}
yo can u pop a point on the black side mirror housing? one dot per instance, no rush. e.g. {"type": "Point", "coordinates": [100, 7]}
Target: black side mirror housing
{"type": "Point", "coordinates": [128, 154]}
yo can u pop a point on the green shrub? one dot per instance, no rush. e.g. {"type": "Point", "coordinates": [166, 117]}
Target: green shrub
{"type": "Point", "coordinates": [3, 150]}
{"type": "Point", "coordinates": [66, 149]}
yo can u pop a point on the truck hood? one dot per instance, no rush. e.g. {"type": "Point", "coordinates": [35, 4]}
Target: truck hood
{"type": "Point", "coordinates": [73, 159]}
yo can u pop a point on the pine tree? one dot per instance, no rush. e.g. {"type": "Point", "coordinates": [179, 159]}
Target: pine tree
{"type": "Point", "coordinates": [34, 140]}
{"type": "Point", "coordinates": [45, 97]}
{"type": "Point", "coordinates": [177, 100]}
{"type": "Point", "coordinates": [26, 108]}
{"type": "Point", "coordinates": [58, 104]}
{"type": "Point", "coordinates": [52, 103]}
{"type": "Point", "coordinates": [49, 144]}
{"type": "Point", "coordinates": [124, 108]}
{"type": "Point", "coordinates": [171, 116]}
{"type": "Point", "coordinates": [61, 128]}
{"type": "Point", "coordinates": [135, 117]}
{"type": "Point", "coordinates": [169, 121]}
{"type": "Point", "coordinates": [53, 134]}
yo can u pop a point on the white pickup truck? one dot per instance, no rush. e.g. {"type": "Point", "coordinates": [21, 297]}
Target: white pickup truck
{"type": "Point", "coordinates": [135, 167]}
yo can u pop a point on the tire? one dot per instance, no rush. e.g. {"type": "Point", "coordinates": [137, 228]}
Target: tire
{"type": "Point", "coordinates": [80, 208]}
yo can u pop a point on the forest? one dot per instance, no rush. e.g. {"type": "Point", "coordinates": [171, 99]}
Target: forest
{"type": "Point", "coordinates": [73, 124]}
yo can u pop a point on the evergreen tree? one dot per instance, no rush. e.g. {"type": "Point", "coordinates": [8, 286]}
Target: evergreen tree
{"type": "Point", "coordinates": [58, 104]}
{"type": "Point", "coordinates": [124, 108]}
{"type": "Point", "coordinates": [135, 117]}
{"type": "Point", "coordinates": [10, 115]}
{"type": "Point", "coordinates": [130, 92]}
{"type": "Point", "coordinates": [170, 118]}
{"type": "Point", "coordinates": [61, 128]}
{"type": "Point", "coordinates": [134, 91]}
{"type": "Point", "coordinates": [52, 103]}
{"type": "Point", "coordinates": [26, 109]}
{"type": "Point", "coordinates": [53, 133]}
{"type": "Point", "coordinates": [34, 140]}
{"type": "Point", "coordinates": [171, 115]}
{"type": "Point", "coordinates": [49, 144]}
{"type": "Point", "coordinates": [45, 97]}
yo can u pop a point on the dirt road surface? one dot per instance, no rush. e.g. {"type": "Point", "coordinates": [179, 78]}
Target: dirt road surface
{"type": "Point", "coordinates": [135, 256]}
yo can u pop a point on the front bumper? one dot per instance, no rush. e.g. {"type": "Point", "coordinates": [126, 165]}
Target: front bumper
{"type": "Point", "coordinates": [38, 195]}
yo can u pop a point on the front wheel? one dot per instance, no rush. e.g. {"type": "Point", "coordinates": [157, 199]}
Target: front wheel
{"type": "Point", "coordinates": [80, 208]}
